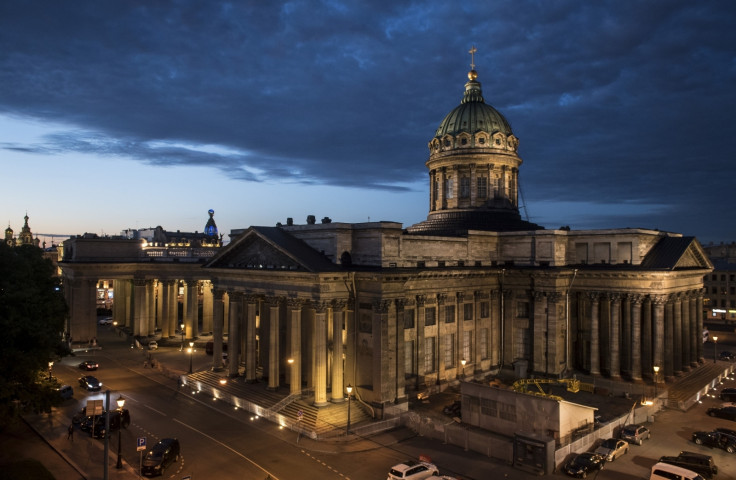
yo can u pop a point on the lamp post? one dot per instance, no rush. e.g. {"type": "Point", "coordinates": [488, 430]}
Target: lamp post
{"type": "Point", "coordinates": [349, 388]}
{"type": "Point", "coordinates": [715, 348]}
{"type": "Point", "coordinates": [181, 329]}
{"type": "Point", "coordinates": [51, 365]}
{"type": "Point", "coordinates": [656, 379]}
{"type": "Point", "coordinates": [191, 351]}
{"type": "Point", "coordinates": [462, 373]}
{"type": "Point", "coordinates": [121, 402]}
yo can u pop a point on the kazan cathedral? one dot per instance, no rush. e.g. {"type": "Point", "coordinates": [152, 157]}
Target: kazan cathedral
{"type": "Point", "coordinates": [472, 291]}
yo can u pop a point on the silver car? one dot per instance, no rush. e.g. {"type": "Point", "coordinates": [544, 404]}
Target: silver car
{"type": "Point", "coordinates": [612, 448]}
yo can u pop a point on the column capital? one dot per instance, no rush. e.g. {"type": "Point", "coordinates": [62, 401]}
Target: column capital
{"type": "Point", "coordinates": [295, 303]}
{"type": "Point", "coordinates": [339, 304]}
{"type": "Point", "coordinates": [382, 306]}
{"type": "Point", "coordinates": [421, 300]}
{"type": "Point", "coordinates": [320, 306]}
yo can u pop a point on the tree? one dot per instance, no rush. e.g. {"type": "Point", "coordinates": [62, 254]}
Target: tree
{"type": "Point", "coordinates": [33, 313]}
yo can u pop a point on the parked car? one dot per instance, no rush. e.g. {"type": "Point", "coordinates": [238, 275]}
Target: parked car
{"type": "Point", "coordinates": [89, 365]}
{"type": "Point", "coordinates": [726, 355]}
{"type": "Point", "coordinates": [412, 470]}
{"type": "Point", "coordinates": [727, 431]}
{"type": "Point", "coordinates": [118, 419]}
{"type": "Point", "coordinates": [702, 464]}
{"type": "Point", "coordinates": [158, 459]}
{"type": "Point", "coordinates": [583, 464]}
{"type": "Point", "coordinates": [728, 395]}
{"type": "Point", "coordinates": [86, 421]}
{"type": "Point", "coordinates": [729, 413]}
{"type": "Point", "coordinates": [716, 439]}
{"type": "Point", "coordinates": [612, 448]}
{"type": "Point", "coordinates": [152, 345]}
{"type": "Point", "coordinates": [105, 321]}
{"type": "Point", "coordinates": [635, 434]}
{"type": "Point", "coordinates": [90, 383]}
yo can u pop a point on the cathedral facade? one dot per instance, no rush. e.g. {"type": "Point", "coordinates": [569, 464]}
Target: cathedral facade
{"type": "Point", "coordinates": [393, 311]}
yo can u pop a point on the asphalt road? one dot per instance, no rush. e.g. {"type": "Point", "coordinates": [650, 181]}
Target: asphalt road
{"type": "Point", "coordinates": [220, 442]}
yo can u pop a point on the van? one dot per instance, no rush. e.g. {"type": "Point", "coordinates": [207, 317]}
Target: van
{"type": "Point", "coordinates": [697, 462]}
{"type": "Point", "coordinates": [665, 471]}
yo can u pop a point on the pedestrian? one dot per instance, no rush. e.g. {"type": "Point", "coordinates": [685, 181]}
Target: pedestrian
{"type": "Point", "coordinates": [70, 434]}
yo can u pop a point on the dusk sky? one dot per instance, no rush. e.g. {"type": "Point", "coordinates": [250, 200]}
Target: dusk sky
{"type": "Point", "coordinates": [133, 114]}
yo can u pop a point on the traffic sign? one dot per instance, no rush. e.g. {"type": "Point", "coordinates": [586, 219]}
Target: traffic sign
{"type": "Point", "coordinates": [94, 407]}
{"type": "Point", "coordinates": [141, 445]}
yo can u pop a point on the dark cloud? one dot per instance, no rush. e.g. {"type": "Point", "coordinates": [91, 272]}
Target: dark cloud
{"type": "Point", "coordinates": [614, 101]}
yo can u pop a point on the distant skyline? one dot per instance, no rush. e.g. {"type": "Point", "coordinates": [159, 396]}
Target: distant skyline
{"type": "Point", "coordinates": [131, 114]}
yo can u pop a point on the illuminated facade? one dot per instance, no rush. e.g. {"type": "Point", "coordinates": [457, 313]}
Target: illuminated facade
{"type": "Point", "coordinates": [472, 290]}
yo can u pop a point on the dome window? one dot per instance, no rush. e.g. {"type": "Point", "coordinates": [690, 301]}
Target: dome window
{"type": "Point", "coordinates": [447, 142]}
{"type": "Point", "coordinates": [482, 140]}
{"type": "Point", "coordinates": [498, 141]}
{"type": "Point", "coordinates": [464, 141]}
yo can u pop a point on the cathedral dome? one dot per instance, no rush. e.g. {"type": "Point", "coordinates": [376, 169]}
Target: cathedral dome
{"type": "Point", "coordinates": [473, 115]}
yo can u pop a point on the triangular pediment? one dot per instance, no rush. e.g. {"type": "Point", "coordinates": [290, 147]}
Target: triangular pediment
{"type": "Point", "coordinates": [269, 248]}
{"type": "Point", "coordinates": [694, 257]}
{"type": "Point", "coordinates": [677, 253]}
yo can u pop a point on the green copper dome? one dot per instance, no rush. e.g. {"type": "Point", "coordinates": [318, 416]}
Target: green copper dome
{"type": "Point", "coordinates": [473, 115]}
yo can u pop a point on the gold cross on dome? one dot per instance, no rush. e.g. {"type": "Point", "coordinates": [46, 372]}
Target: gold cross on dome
{"type": "Point", "coordinates": [472, 57]}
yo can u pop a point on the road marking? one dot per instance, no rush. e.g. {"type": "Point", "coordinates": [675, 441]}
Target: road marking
{"type": "Point", "coordinates": [274, 477]}
{"type": "Point", "coordinates": [151, 408]}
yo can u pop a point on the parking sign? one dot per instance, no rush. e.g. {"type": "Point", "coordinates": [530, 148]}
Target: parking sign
{"type": "Point", "coordinates": [141, 445]}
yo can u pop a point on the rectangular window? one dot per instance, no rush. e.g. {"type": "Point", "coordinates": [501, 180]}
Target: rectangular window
{"type": "Point", "coordinates": [468, 311]}
{"type": "Point", "coordinates": [483, 343]}
{"type": "Point", "coordinates": [468, 346]}
{"type": "Point", "coordinates": [464, 187]}
{"type": "Point", "coordinates": [409, 358]}
{"type": "Point", "coordinates": [730, 277]}
{"type": "Point", "coordinates": [732, 290]}
{"type": "Point", "coordinates": [449, 350]}
{"type": "Point", "coordinates": [450, 314]}
{"type": "Point", "coordinates": [507, 412]}
{"type": "Point", "coordinates": [522, 309]}
{"type": "Point", "coordinates": [482, 187]}
{"type": "Point", "coordinates": [485, 309]}
{"type": "Point", "coordinates": [489, 407]}
{"type": "Point", "coordinates": [430, 317]}
{"type": "Point", "coordinates": [409, 318]}
{"type": "Point", "coordinates": [448, 187]}
{"type": "Point", "coordinates": [714, 277]}
{"type": "Point", "coordinates": [429, 355]}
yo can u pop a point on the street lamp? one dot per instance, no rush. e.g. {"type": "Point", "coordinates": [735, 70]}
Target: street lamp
{"type": "Point", "coordinates": [191, 351]}
{"type": "Point", "coordinates": [349, 388]}
{"type": "Point", "coordinates": [51, 364]}
{"type": "Point", "coordinates": [463, 362]}
{"type": "Point", "coordinates": [656, 379]}
{"type": "Point", "coordinates": [715, 348]}
{"type": "Point", "coordinates": [181, 329]}
{"type": "Point", "coordinates": [121, 402]}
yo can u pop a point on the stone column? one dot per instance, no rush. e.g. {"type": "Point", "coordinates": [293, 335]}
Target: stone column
{"type": "Point", "coordinates": [695, 335]}
{"type": "Point", "coordinates": [494, 329]}
{"type": "Point", "coordinates": [218, 323]}
{"type": "Point", "coordinates": [540, 339]}
{"type": "Point", "coordinates": [636, 301]}
{"type": "Point", "coordinates": [338, 395]}
{"type": "Point", "coordinates": [251, 361]}
{"type": "Point", "coordinates": [192, 309]}
{"type": "Point", "coordinates": [164, 304]}
{"type": "Point", "coordinates": [685, 331]}
{"type": "Point", "coordinates": [677, 334]}
{"type": "Point", "coordinates": [159, 290]}
{"type": "Point", "coordinates": [626, 333]}
{"type": "Point", "coordinates": [295, 342]}
{"type": "Point", "coordinates": [615, 336]}
{"type": "Point", "coordinates": [420, 301]}
{"type": "Point", "coordinates": [508, 328]}
{"type": "Point", "coordinates": [119, 302]}
{"type": "Point", "coordinates": [233, 347]}
{"type": "Point", "coordinates": [274, 354]}
{"type": "Point", "coordinates": [400, 379]}
{"type": "Point", "coordinates": [140, 326]}
{"type": "Point", "coordinates": [669, 340]}
{"type": "Point", "coordinates": [207, 307]}
{"type": "Point", "coordinates": [81, 296]}
{"type": "Point", "coordinates": [384, 340]}
{"type": "Point", "coordinates": [151, 307]}
{"type": "Point", "coordinates": [659, 331]}
{"type": "Point", "coordinates": [647, 345]}
{"type": "Point", "coordinates": [699, 327]}
{"type": "Point", "coordinates": [320, 354]}
{"type": "Point", "coordinates": [594, 333]}
{"type": "Point", "coordinates": [556, 335]}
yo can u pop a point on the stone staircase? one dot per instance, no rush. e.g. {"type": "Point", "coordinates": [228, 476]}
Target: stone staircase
{"type": "Point", "coordinates": [684, 391]}
{"type": "Point", "coordinates": [316, 422]}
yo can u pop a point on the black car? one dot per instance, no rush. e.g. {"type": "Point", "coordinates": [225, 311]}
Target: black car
{"type": "Point", "coordinates": [90, 383]}
{"type": "Point", "coordinates": [729, 413]}
{"type": "Point", "coordinates": [728, 395]}
{"type": "Point", "coordinates": [696, 462]}
{"type": "Point", "coordinates": [583, 464]}
{"type": "Point", "coordinates": [158, 459]}
{"type": "Point", "coordinates": [726, 355]}
{"type": "Point", "coordinates": [89, 365]}
{"type": "Point", "coordinates": [716, 439]}
{"type": "Point", "coordinates": [118, 419]}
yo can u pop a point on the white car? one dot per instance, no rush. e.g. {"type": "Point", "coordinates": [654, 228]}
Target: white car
{"type": "Point", "coordinates": [105, 321]}
{"type": "Point", "coordinates": [412, 470]}
{"type": "Point", "coordinates": [152, 345]}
